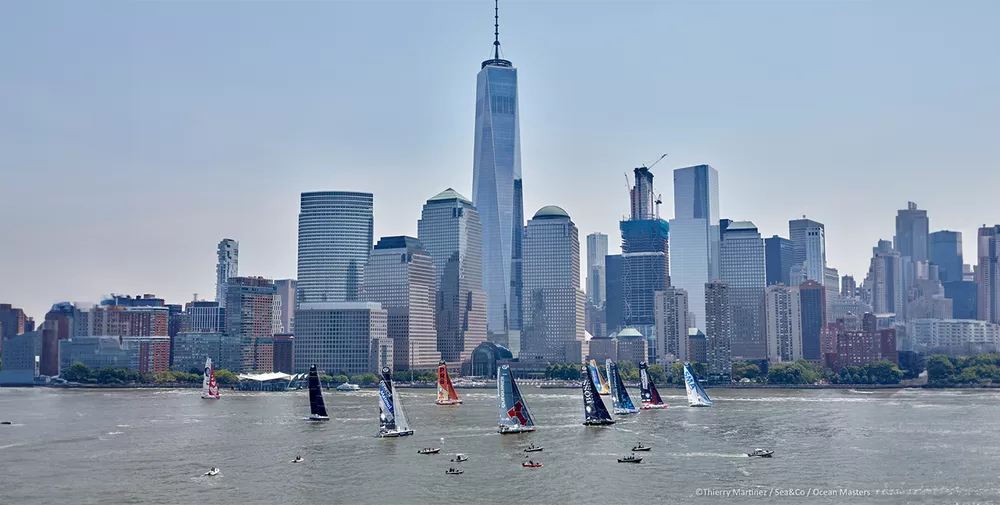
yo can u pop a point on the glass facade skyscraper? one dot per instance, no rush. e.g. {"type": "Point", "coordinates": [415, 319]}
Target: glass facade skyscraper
{"type": "Point", "coordinates": [597, 249]}
{"type": "Point", "coordinates": [335, 239]}
{"type": "Point", "coordinates": [496, 190]}
{"type": "Point", "coordinates": [742, 259]}
{"type": "Point", "coordinates": [694, 235]}
{"type": "Point", "coordinates": [778, 253]}
{"type": "Point", "coordinates": [808, 250]}
{"type": "Point", "coordinates": [946, 253]}
{"type": "Point", "coordinates": [227, 267]}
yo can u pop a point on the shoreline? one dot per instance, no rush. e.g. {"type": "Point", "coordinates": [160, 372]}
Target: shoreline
{"type": "Point", "coordinates": [539, 386]}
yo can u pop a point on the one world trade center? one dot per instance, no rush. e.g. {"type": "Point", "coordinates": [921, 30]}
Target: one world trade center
{"type": "Point", "coordinates": [496, 193]}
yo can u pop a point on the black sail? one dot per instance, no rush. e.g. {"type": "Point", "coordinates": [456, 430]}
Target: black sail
{"type": "Point", "coordinates": [316, 405]}
{"type": "Point", "coordinates": [645, 384]}
{"type": "Point", "coordinates": [594, 410]}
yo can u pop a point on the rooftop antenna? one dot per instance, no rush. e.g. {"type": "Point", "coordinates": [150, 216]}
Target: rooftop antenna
{"type": "Point", "coordinates": [496, 29]}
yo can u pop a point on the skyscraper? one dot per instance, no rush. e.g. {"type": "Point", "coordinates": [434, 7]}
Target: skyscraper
{"type": "Point", "coordinates": [496, 188]}
{"type": "Point", "coordinates": [335, 239]}
{"type": "Point", "coordinates": [742, 261]}
{"type": "Point", "coordinates": [946, 253]}
{"type": "Point", "coordinates": [808, 249]}
{"type": "Point", "coordinates": [911, 233]}
{"type": "Point", "coordinates": [250, 316]}
{"type": "Point", "coordinates": [718, 331]}
{"type": "Point", "coordinates": [694, 235]}
{"type": "Point", "coordinates": [848, 286]}
{"type": "Point", "coordinates": [226, 267]}
{"type": "Point", "coordinates": [778, 254]}
{"type": "Point", "coordinates": [885, 280]}
{"type": "Point", "coordinates": [988, 274]}
{"type": "Point", "coordinates": [553, 303]}
{"type": "Point", "coordinates": [671, 325]}
{"type": "Point", "coordinates": [597, 249]}
{"type": "Point", "coordinates": [348, 338]}
{"type": "Point", "coordinates": [614, 303]}
{"type": "Point", "coordinates": [286, 293]}
{"type": "Point", "coordinates": [784, 324]}
{"type": "Point", "coordinates": [450, 230]}
{"type": "Point", "coordinates": [812, 296]}
{"type": "Point", "coordinates": [400, 276]}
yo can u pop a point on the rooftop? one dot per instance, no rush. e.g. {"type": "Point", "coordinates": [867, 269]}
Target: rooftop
{"type": "Point", "coordinates": [551, 212]}
{"type": "Point", "coordinates": [447, 195]}
{"type": "Point", "coordinates": [629, 333]}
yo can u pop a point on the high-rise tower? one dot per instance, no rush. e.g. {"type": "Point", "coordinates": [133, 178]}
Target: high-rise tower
{"type": "Point", "coordinates": [694, 235]}
{"type": "Point", "coordinates": [496, 188]}
{"type": "Point", "coordinates": [335, 239]}
{"type": "Point", "coordinates": [226, 268]}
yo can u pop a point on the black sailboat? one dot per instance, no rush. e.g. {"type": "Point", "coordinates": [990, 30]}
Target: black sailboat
{"type": "Point", "coordinates": [650, 397]}
{"type": "Point", "coordinates": [594, 411]}
{"type": "Point", "coordinates": [317, 407]}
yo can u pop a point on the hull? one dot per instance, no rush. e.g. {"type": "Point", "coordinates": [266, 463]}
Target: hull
{"type": "Point", "coordinates": [626, 411]}
{"type": "Point", "coordinates": [395, 434]}
{"type": "Point", "coordinates": [203, 397]}
{"type": "Point", "coordinates": [317, 419]}
{"type": "Point", "coordinates": [648, 406]}
{"type": "Point", "coordinates": [603, 422]}
{"type": "Point", "coordinates": [448, 402]}
{"type": "Point", "coordinates": [505, 430]}
{"type": "Point", "coordinates": [698, 405]}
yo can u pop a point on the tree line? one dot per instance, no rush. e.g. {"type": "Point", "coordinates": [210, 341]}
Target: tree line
{"type": "Point", "coordinates": [80, 372]}
{"type": "Point", "coordinates": [978, 369]}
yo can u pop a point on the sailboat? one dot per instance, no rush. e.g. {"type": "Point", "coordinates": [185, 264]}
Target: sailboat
{"type": "Point", "coordinates": [599, 383]}
{"type": "Point", "coordinates": [594, 411]}
{"type": "Point", "coordinates": [514, 414]}
{"type": "Point", "coordinates": [446, 390]}
{"type": "Point", "coordinates": [649, 396]}
{"type": "Point", "coordinates": [696, 394]}
{"type": "Point", "coordinates": [317, 407]}
{"type": "Point", "coordinates": [620, 399]}
{"type": "Point", "coordinates": [209, 388]}
{"type": "Point", "coordinates": [391, 419]}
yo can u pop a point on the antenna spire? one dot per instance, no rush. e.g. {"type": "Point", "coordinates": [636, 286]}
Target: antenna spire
{"type": "Point", "coordinates": [496, 29]}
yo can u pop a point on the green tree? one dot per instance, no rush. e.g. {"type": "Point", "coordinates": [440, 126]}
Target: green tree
{"type": "Point", "coordinates": [940, 369]}
{"type": "Point", "coordinates": [77, 372]}
{"type": "Point", "coordinates": [742, 369]}
{"type": "Point", "coordinates": [656, 374]}
{"type": "Point", "coordinates": [628, 370]}
{"type": "Point", "coordinates": [225, 377]}
{"type": "Point", "coordinates": [339, 379]}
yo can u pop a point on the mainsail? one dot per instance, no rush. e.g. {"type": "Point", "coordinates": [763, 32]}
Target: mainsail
{"type": "Point", "coordinates": [391, 419]}
{"type": "Point", "coordinates": [696, 394]}
{"type": "Point", "coordinates": [209, 388]}
{"type": "Point", "coordinates": [650, 397]}
{"type": "Point", "coordinates": [620, 399]}
{"type": "Point", "coordinates": [594, 411]}
{"type": "Point", "coordinates": [598, 379]}
{"type": "Point", "coordinates": [446, 390]}
{"type": "Point", "coordinates": [317, 407]}
{"type": "Point", "coordinates": [513, 412]}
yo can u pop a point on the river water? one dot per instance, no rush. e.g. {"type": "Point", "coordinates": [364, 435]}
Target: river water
{"type": "Point", "coordinates": [831, 446]}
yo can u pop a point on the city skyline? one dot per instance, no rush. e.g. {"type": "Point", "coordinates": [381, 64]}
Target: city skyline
{"type": "Point", "coordinates": [124, 141]}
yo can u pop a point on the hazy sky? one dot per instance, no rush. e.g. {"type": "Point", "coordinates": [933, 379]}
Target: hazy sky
{"type": "Point", "coordinates": [135, 135]}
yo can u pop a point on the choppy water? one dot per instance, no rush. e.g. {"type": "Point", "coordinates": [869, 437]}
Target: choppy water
{"type": "Point", "coordinates": [151, 447]}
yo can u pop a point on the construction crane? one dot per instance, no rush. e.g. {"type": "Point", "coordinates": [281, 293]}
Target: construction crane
{"type": "Point", "coordinates": [651, 165]}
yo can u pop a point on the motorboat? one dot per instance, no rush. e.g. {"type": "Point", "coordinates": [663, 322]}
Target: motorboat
{"type": "Point", "coordinates": [459, 458]}
{"type": "Point", "coordinates": [4, 422]}
{"type": "Point", "coordinates": [760, 453]}
{"type": "Point", "coordinates": [347, 386]}
{"type": "Point", "coordinates": [531, 464]}
{"type": "Point", "coordinates": [429, 450]}
{"type": "Point", "coordinates": [641, 448]}
{"type": "Point", "coordinates": [213, 472]}
{"type": "Point", "coordinates": [455, 471]}
{"type": "Point", "coordinates": [630, 459]}
{"type": "Point", "coordinates": [298, 459]}
{"type": "Point", "coordinates": [533, 448]}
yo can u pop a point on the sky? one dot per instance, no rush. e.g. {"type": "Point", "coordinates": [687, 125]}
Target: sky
{"type": "Point", "coordinates": [135, 135]}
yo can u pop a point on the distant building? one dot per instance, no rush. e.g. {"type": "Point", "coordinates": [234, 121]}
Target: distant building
{"type": "Point", "coordinates": [284, 353]}
{"type": "Point", "coordinates": [603, 349]}
{"type": "Point", "coordinates": [553, 311]}
{"type": "Point", "coordinates": [743, 270]}
{"type": "Point", "coordinates": [145, 355]}
{"type": "Point", "coordinates": [812, 296]}
{"type": "Point", "coordinates": [988, 274]}
{"type": "Point", "coordinates": [859, 348]}
{"type": "Point", "coordinates": [778, 254]}
{"type": "Point", "coordinates": [597, 250]}
{"type": "Point", "coordinates": [784, 324]}
{"type": "Point", "coordinates": [671, 311]}
{"type": "Point", "coordinates": [953, 336]}
{"type": "Point", "coordinates": [946, 252]}
{"type": "Point", "coordinates": [964, 297]}
{"type": "Point", "coordinates": [335, 239]}
{"type": "Point", "coordinates": [848, 287]}
{"type": "Point", "coordinates": [250, 316]}
{"type": "Point", "coordinates": [13, 322]}
{"type": "Point", "coordinates": [597, 323]}
{"type": "Point", "coordinates": [400, 276]}
{"type": "Point", "coordinates": [614, 304]}
{"type": "Point", "coordinates": [349, 338]}
{"type": "Point", "coordinates": [286, 293]}
{"type": "Point", "coordinates": [485, 359]}
{"type": "Point", "coordinates": [885, 280]}
{"type": "Point", "coordinates": [808, 248]}
{"type": "Point", "coordinates": [450, 230]}
{"type": "Point", "coordinates": [204, 317]}
{"type": "Point", "coordinates": [226, 267]}
{"type": "Point", "coordinates": [697, 346]}
{"type": "Point", "coordinates": [911, 242]}
{"type": "Point", "coordinates": [632, 346]}
{"type": "Point", "coordinates": [191, 349]}
{"type": "Point", "coordinates": [694, 235]}
{"type": "Point", "coordinates": [21, 358]}
{"type": "Point", "coordinates": [718, 331]}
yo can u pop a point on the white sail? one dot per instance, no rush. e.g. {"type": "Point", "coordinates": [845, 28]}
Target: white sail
{"type": "Point", "coordinates": [401, 423]}
{"type": "Point", "coordinates": [206, 378]}
{"type": "Point", "coordinates": [697, 397]}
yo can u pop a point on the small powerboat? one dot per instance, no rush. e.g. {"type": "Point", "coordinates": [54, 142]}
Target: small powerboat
{"type": "Point", "coordinates": [641, 448]}
{"type": "Point", "coordinates": [630, 459]}
{"type": "Point", "coordinates": [760, 453]}
{"type": "Point", "coordinates": [531, 464]}
{"type": "Point", "coordinates": [533, 448]}
{"type": "Point", "coordinates": [429, 450]}
{"type": "Point", "coordinates": [4, 422]}
{"type": "Point", "coordinates": [213, 472]}
{"type": "Point", "coordinates": [455, 471]}
{"type": "Point", "coordinates": [298, 459]}
{"type": "Point", "coordinates": [460, 458]}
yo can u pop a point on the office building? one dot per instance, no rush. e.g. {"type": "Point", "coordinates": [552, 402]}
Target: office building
{"type": "Point", "coordinates": [400, 276]}
{"type": "Point", "coordinates": [988, 274]}
{"type": "Point", "coordinates": [697, 346]}
{"type": "Point", "coordinates": [743, 270]}
{"type": "Point", "coordinates": [946, 252]}
{"type": "Point", "coordinates": [284, 353]}
{"type": "Point", "coordinates": [597, 249]}
{"type": "Point", "coordinates": [204, 317]}
{"type": "Point", "coordinates": [13, 322]}
{"type": "Point", "coordinates": [349, 338]}
{"type": "Point", "coordinates": [671, 312]}
{"type": "Point", "coordinates": [859, 348]}
{"type": "Point", "coordinates": [21, 358]}
{"type": "Point", "coordinates": [596, 324]}
{"type": "Point", "coordinates": [964, 298]}
{"type": "Point", "coordinates": [848, 287]}
{"type": "Point", "coordinates": [191, 349]}
{"type": "Point", "coordinates": [953, 336]}
{"type": "Point", "coordinates": [496, 189]}
{"type": "Point", "coordinates": [226, 267]}
{"type": "Point", "coordinates": [718, 332]}
{"type": "Point", "coordinates": [335, 238]}
{"type": "Point", "coordinates": [784, 324]}
{"type": "Point", "coordinates": [812, 297]}
{"type": "Point", "coordinates": [614, 303]}
{"type": "Point", "coordinates": [885, 280]}
{"type": "Point", "coordinates": [778, 256]}
{"type": "Point", "coordinates": [632, 346]}
{"type": "Point", "coordinates": [695, 236]}
{"type": "Point", "coordinates": [912, 231]}
{"type": "Point", "coordinates": [450, 229]}
{"type": "Point", "coordinates": [250, 316]}
{"type": "Point", "coordinates": [553, 303]}
{"type": "Point", "coordinates": [286, 294]}
{"type": "Point", "coordinates": [808, 249]}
